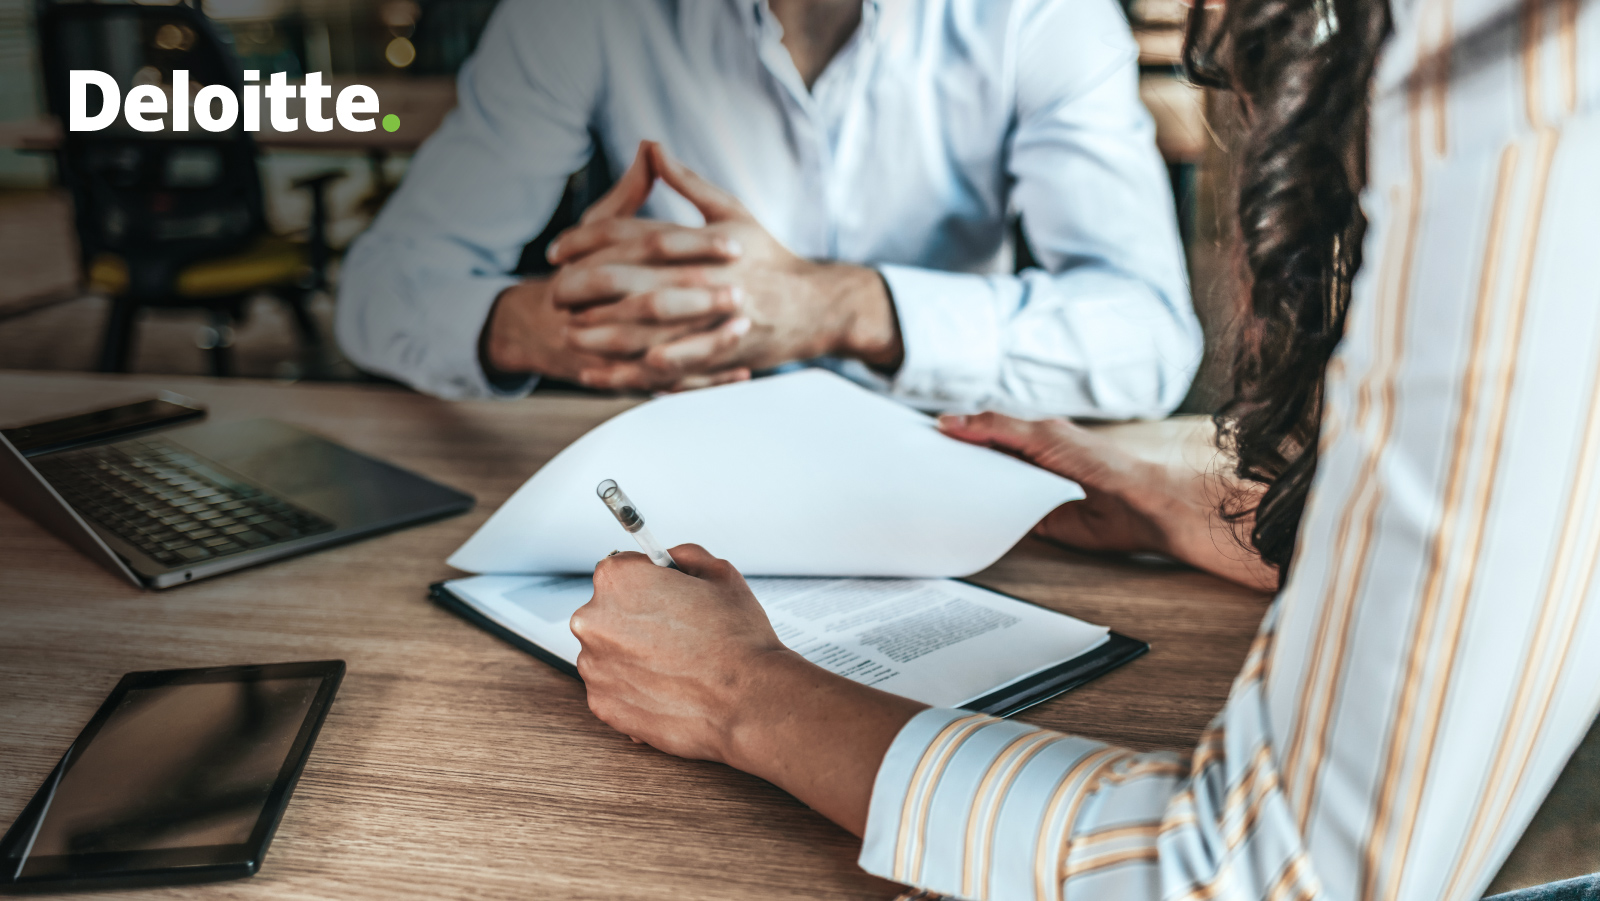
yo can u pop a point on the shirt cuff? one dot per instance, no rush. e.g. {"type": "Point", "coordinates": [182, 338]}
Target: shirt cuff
{"type": "Point", "coordinates": [972, 806]}
{"type": "Point", "coordinates": [952, 341]}
{"type": "Point", "coordinates": [425, 330]}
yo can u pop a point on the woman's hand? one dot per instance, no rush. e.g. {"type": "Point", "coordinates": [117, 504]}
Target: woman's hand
{"type": "Point", "coordinates": [1130, 505]}
{"type": "Point", "coordinates": [687, 662]}
{"type": "Point", "coordinates": [1123, 507]}
{"type": "Point", "coordinates": [669, 657]}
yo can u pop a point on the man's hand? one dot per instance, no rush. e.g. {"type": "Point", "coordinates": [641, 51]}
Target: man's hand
{"type": "Point", "coordinates": [527, 332]}
{"type": "Point", "coordinates": [671, 306]}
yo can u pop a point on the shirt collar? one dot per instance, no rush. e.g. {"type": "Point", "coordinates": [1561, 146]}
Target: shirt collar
{"type": "Point", "coordinates": [758, 17]}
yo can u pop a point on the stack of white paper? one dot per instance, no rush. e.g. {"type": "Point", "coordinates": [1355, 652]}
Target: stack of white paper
{"type": "Point", "coordinates": [805, 474]}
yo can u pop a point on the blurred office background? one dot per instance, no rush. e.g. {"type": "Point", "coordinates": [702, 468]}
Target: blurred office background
{"type": "Point", "coordinates": [259, 304]}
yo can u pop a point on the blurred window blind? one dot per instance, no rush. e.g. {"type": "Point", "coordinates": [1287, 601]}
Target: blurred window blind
{"type": "Point", "coordinates": [18, 75]}
{"type": "Point", "coordinates": [19, 92]}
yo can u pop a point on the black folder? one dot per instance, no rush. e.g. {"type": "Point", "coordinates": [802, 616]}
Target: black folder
{"type": "Point", "coordinates": [1004, 701]}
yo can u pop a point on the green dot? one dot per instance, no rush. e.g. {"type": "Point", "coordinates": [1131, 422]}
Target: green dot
{"type": "Point", "coordinates": [391, 122]}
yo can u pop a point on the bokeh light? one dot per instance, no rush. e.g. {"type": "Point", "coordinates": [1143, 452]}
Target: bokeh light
{"type": "Point", "coordinates": [400, 53]}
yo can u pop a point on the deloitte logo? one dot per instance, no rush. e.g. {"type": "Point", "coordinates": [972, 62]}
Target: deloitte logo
{"type": "Point", "coordinates": [217, 108]}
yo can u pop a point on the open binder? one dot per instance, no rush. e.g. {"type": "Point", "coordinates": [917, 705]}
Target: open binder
{"type": "Point", "coordinates": [1099, 651]}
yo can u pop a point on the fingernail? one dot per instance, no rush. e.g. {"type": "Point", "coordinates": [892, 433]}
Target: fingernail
{"type": "Point", "coordinates": [551, 252]}
{"type": "Point", "coordinates": [589, 377]}
{"type": "Point", "coordinates": [739, 326]}
{"type": "Point", "coordinates": [737, 297]}
{"type": "Point", "coordinates": [952, 421]}
{"type": "Point", "coordinates": [731, 247]}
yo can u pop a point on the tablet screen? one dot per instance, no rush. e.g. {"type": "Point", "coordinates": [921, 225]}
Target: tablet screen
{"type": "Point", "coordinates": [177, 766]}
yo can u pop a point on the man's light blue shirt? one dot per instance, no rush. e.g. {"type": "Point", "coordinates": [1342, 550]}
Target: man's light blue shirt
{"type": "Point", "coordinates": [938, 122]}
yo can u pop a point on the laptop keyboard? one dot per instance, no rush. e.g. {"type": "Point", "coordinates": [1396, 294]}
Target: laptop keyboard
{"type": "Point", "coordinates": [169, 504]}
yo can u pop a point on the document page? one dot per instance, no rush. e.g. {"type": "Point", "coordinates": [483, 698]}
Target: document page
{"type": "Point", "coordinates": [805, 474]}
{"type": "Point", "coordinates": [932, 640]}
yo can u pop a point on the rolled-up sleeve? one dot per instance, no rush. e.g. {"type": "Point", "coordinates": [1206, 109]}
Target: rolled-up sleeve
{"type": "Point", "coordinates": [417, 289]}
{"type": "Point", "coordinates": [1105, 326]}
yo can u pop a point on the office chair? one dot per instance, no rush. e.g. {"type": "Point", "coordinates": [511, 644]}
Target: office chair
{"type": "Point", "coordinates": [172, 219]}
{"type": "Point", "coordinates": [446, 32]}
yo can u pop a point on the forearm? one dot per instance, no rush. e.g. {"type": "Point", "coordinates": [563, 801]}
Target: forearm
{"type": "Point", "coordinates": [392, 320]}
{"type": "Point", "coordinates": [816, 735]}
{"type": "Point", "coordinates": [1188, 507]}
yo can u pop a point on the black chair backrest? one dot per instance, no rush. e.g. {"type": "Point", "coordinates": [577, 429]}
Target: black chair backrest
{"type": "Point", "coordinates": [158, 199]}
{"type": "Point", "coordinates": [447, 32]}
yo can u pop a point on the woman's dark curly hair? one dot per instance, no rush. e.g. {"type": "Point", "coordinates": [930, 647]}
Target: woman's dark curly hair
{"type": "Point", "coordinates": [1302, 71]}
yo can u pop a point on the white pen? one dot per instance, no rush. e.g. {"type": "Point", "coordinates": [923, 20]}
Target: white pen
{"type": "Point", "coordinates": [628, 515]}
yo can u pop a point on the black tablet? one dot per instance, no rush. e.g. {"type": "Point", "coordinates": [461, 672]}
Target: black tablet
{"type": "Point", "coordinates": [180, 777]}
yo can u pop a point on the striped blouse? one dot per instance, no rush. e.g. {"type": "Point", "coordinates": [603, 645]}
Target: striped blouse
{"type": "Point", "coordinates": [1421, 680]}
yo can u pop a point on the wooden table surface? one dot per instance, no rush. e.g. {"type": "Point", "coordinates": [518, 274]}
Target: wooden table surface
{"type": "Point", "coordinates": [454, 766]}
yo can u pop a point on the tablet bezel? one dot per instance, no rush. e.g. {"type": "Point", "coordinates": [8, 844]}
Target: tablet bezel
{"type": "Point", "coordinates": [204, 863]}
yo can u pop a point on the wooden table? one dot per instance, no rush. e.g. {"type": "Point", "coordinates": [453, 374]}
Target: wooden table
{"type": "Point", "coordinates": [453, 765]}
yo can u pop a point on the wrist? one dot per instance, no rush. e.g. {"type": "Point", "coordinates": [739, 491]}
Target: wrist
{"type": "Point", "coordinates": [510, 345]}
{"type": "Point", "coordinates": [1187, 510]}
{"type": "Point", "coordinates": [815, 734]}
{"type": "Point", "coordinates": [755, 704]}
{"type": "Point", "coordinates": [1160, 497]}
{"type": "Point", "coordinates": [867, 327]}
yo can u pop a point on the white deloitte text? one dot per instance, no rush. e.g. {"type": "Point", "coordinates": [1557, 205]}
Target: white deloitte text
{"type": "Point", "coordinates": [217, 108]}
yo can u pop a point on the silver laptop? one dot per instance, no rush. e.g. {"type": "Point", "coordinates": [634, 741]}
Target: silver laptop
{"type": "Point", "coordinates": [165, 506]}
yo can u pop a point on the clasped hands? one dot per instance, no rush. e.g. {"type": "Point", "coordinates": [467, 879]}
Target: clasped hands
{"type": "Point", "coordinates": [637, 304]}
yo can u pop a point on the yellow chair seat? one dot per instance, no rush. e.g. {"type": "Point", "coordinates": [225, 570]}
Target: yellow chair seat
{"type": "Point", "coordinates": [269, 262]}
